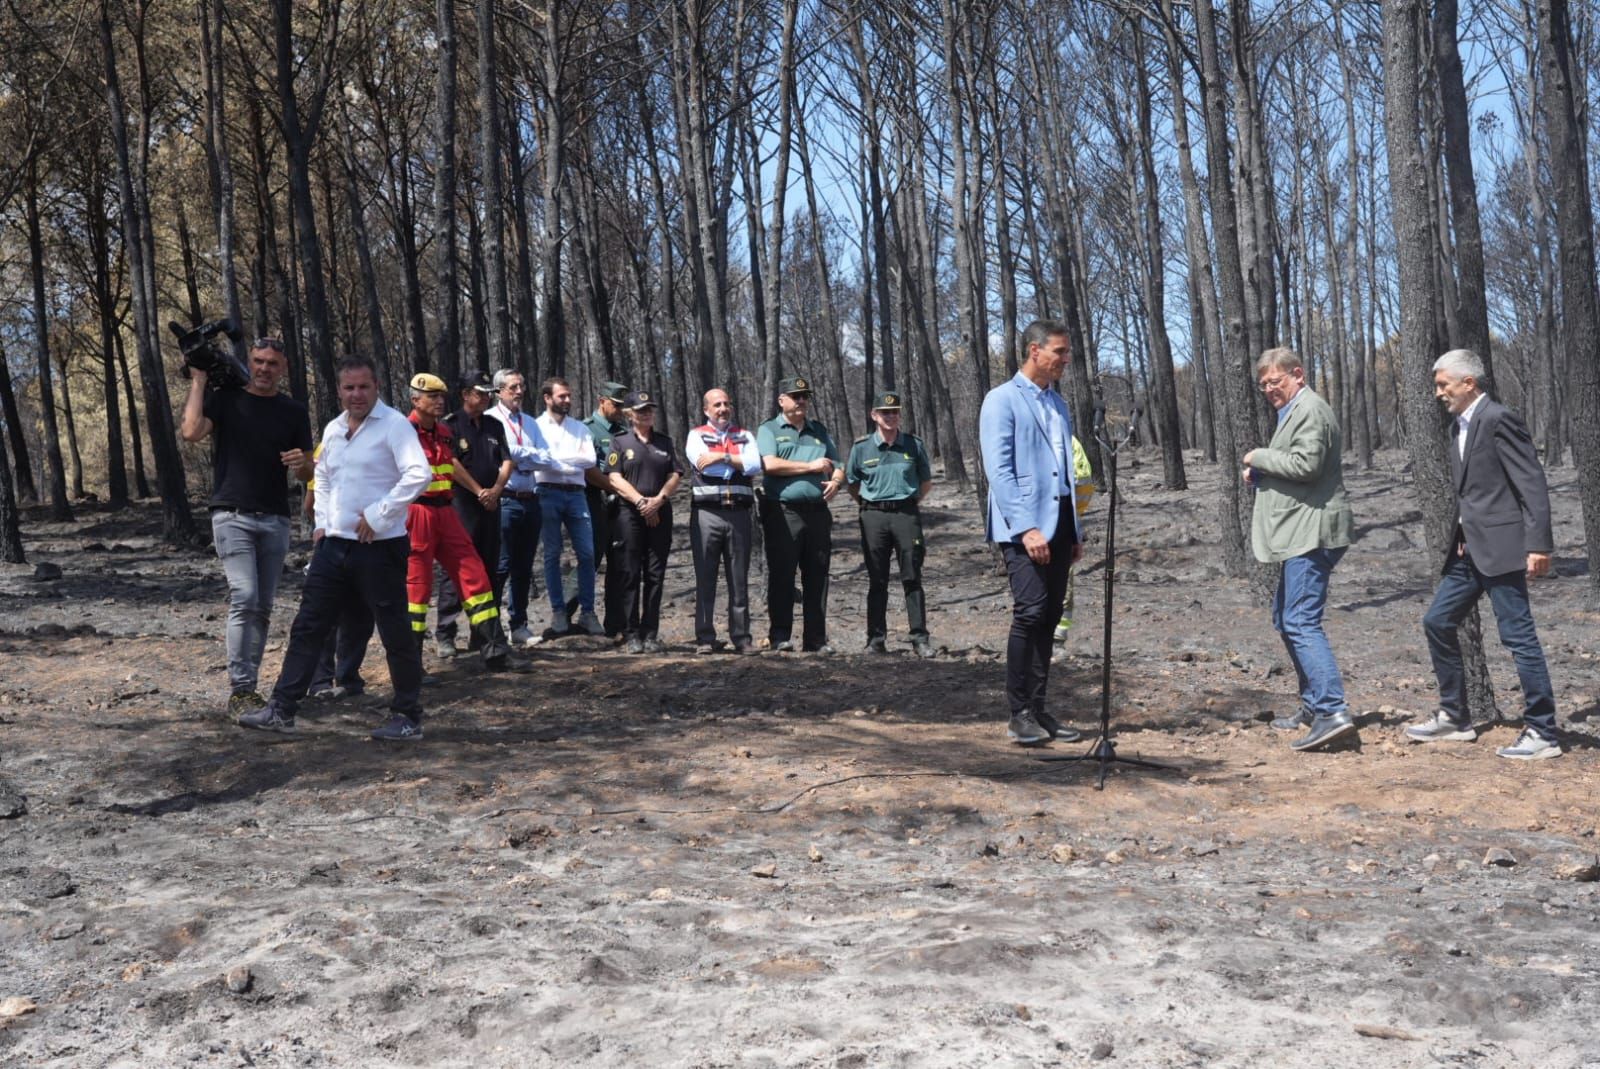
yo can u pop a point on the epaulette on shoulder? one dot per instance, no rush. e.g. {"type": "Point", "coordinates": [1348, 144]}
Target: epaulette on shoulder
{"type": "Point", "coordinates": [861, 439]}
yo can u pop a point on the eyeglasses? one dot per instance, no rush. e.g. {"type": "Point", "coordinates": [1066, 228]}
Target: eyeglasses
{"type": "Point", "coordinates": [513, 387]}
{"type": "Point", "coordinates": [267, 343]}
{"type": "Point", "coordinates": [1272, 384]}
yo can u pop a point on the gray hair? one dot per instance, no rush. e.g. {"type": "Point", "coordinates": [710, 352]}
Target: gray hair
{"type": "Point", "coordinates": [505, 375]}
{"type": "Point", "coordinates": [1461, 364]}
{"type": "Point", "coordinates": [1042, 330]}
{"type": "Point", "coordinates": [1279, 359]}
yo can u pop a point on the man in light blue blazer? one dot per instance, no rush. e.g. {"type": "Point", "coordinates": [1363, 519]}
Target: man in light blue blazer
{"type": "Point", "coordinates": [1026, 435]}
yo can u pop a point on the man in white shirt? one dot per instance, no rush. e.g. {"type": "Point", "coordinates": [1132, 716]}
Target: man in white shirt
{"type": "Point", "coordinates": [370, 468]}
{"type": "Point", "coordinates": [520, 519]}
{"type": "Point", "coordinates": [562, 502]}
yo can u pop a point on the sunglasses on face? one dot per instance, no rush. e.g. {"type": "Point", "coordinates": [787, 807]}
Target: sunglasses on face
{"type": "Point", "coordinates": [267, 343]}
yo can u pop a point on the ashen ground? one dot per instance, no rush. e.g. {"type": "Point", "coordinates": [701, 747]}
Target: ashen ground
{"type": "Point", "coordinates": [784, 860]}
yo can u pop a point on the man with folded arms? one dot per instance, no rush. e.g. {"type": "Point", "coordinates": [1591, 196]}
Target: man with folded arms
{"type": "Point", "coordinates": [371, 467]}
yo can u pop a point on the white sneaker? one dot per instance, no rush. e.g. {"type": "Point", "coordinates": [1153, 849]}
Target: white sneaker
{"type": "Point", "coordinates": [559, 623]}
{"type": "Point", "coordinates": [1440, 728]}
{"type": "Point", "coordinates": [522, 636]}
{"type": "Point", "coordinates": [587, 621]}
{"type": "Point", "coordinates": [1530, 747]}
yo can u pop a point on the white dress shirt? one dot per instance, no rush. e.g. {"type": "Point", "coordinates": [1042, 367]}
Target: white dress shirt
{"type": "Point", "coordinates": [571, 450]}
{"type": "Point", "coordinates": [375, 472]}
{"type": "Point", "coordinates": [1464, 424]}
{"type": "Point", "coordinates": [525, 445]}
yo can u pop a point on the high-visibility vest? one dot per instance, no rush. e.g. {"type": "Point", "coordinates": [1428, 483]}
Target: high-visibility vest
{"type": "Point", "coordinates": [1082, 477]}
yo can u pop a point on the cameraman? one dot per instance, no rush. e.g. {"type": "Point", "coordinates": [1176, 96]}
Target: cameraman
{"type": "Point", "coordinates": [259, 433]}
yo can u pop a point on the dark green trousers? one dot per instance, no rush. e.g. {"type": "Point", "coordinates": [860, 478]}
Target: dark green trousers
{"type": "Point", "coordinates": [897, 533]}
{"type": "Point", "coordinates": [798, 539]}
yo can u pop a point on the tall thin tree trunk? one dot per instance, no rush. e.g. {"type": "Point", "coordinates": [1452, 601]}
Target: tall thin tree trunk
{"type": "Point", "coordinates": [1580, 305]}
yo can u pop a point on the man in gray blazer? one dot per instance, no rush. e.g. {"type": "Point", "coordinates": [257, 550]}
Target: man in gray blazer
{"type": "Point", "coordinates": [1302, 522]}
{"type": "Point", "coordinates": [1502, 539]}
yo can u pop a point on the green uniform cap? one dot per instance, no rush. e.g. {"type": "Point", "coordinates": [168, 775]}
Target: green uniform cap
{"type": "Point", "coordinates": [794, 384]}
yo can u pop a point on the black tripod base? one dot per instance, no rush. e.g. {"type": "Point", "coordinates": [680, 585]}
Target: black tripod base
{"type": "Point", "coordinates": [1105, 752]}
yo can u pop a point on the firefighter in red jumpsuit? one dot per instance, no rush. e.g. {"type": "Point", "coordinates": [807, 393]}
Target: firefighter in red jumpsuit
{"type": "Point", "coordinates": [436, 532]}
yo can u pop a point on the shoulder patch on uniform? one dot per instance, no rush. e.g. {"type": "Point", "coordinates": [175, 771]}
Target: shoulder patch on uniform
{"type": "Point", "coordinates": [612, 459]}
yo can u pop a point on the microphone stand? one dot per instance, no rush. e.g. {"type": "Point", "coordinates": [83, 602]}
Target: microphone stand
{"type": "Point", "coordinates": [1103, 749]}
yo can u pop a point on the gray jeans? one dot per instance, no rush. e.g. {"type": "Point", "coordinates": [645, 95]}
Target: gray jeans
{"type": "Point", "coordinates": [720, 538]}
{"type": "Point", "coordinates": [252, 547]}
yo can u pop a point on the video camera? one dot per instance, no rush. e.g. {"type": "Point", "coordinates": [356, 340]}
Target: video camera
{"type": "Point", "coordinates": [223, 369]}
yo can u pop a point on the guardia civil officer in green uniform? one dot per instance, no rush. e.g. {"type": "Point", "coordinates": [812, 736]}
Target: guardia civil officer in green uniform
{"type": "Point", "coordinates": [604, 424]}
{"type": "Point", "coordinates": [888, 473]}
{"type": "Point", "coordinates": [801, 476]}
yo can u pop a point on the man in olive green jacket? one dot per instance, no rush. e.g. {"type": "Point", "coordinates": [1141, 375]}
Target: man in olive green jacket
{"type": "Point", "coordinates": [1302, 521]}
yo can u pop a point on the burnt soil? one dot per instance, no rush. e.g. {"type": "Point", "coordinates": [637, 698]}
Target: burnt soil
{"type": "Point", "coordinates": [782, 859]}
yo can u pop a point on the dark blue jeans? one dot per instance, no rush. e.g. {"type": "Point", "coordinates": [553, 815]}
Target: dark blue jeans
{"type": "Point", "coordinates": [1458, 591]}
{"type": "Point", "coordinates": [343, 569]}
{"type": "Point", "coordinates": [1297, 607]}
{"type": "Point", "coordinates": [520, 523]}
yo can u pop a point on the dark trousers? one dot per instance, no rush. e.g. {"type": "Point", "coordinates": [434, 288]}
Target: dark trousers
{"type": "Point", "coordinates": [345, 650]}
{"type": "Point", "coordinates": [720, 538]}
{"type": "Point", "coordinates": [642, 570]}
{"type": "Point", "coordinates": [897, 533]}
{"type": "Point", "coordinates": [603, 513]}
{"type": "Point", "coordinates": [483, 527]}
{"type": "Point", "coordinates": [1458, 591]}
{"type": "Point", "coordinates": [520, 524]}
{"type": "Point", "coordinates": [1037, 594]}
{"type": "Point", "coordinates": [344, 570]}
{"type": "Point", "coordinates": [798, 539]}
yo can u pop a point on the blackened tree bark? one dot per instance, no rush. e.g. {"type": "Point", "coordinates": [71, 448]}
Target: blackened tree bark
{"type": "Point", "coordinates": [1580, 330]}
{"type": "Point", "coordinates": [1164, 412]}
{"type": "Point", "coordinates": [1419, 299]}
{"type": "Point", "coordinates": [219, 162]}
{"type": "Point", "coordinates": [448, 343]}
{"type": "Point", "coordinates": [1235, 361]}
{"type": "Point", "coordinates": [55, 468]}
{"type": "Point", "coordinates": [177, 520]}
{"type": "Point", "coordinates": [299, 134]}
{"type": "Point", "coordinates": [489, 164]}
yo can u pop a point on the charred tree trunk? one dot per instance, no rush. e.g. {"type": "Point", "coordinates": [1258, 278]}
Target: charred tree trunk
{"type": "Point", "coordinates": [1580, 306]}
{"type": "Point", "coordinates": [1419, 299]}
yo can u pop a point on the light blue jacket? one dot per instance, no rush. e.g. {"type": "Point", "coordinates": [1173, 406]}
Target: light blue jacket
{"type": "Point", "coordinates": [1025, 469]}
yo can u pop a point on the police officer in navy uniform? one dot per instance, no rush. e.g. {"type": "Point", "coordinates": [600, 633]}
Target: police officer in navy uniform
{"type": "Point", "coordinates": [801, 476]}
{"type": "Point", "coordinates": [479, 441]}
{"type": "Point", "coordinates": [888, 473]}
{"type": "Point", "coordinates": [643, 470]}
{"type": "Point", "coordinates": [605, 423]}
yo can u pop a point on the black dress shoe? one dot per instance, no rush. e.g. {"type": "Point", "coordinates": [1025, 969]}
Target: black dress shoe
{"type": "Point", "coordinates": [1024, 730]}
{"type": "Point", "coordinates": [1058, 731]}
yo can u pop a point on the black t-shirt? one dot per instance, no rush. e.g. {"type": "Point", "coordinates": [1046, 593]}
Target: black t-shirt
{"type": "Point", "coordinates": [248, 433]}
{"type": "Point", "coordinates": [480, 448]}
{"type": "Point", "coordinates": [646, 466]}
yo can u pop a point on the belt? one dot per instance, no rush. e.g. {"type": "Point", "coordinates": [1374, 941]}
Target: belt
{"type": "Point", "coordinates": [522, 495]}
{"type": "Point", "coordinates": [244, 512]}
{"type": "Point", "coordinates": [561, 486]}
{"type": "Point", "coordinates": [735, 505]}
{"type": "Point", "coordinates": [431, 502]}
{"type": "Point", "coordinates": [905, 504]}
